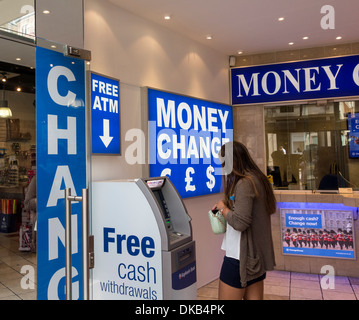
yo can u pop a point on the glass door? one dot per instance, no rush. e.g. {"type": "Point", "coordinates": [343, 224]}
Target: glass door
{"type": "Point", "coordinates": [63, 166]}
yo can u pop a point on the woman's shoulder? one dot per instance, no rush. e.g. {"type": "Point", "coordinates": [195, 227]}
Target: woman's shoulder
{"type": "Point", "coordinates": [246, 182]}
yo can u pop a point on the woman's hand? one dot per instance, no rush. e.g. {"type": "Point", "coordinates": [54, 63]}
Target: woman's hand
{"type": "Point", "coordinates": [221, 207]}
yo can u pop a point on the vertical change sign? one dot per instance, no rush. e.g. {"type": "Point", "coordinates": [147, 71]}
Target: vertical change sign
{"type": "Point", "coordinates": [105, 114]}
{"type": "Point", "coordinates": [61, 164]}
{"type": "Point", "coordinates": [185, 136]}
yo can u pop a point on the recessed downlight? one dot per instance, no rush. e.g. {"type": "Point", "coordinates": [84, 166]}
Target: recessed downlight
{"type": "Point", "coordinates": [209, 37]}
{"type": "Point", "coordinates": [46, 12]}
{"type": "Point", "coordinates": [281, 19]}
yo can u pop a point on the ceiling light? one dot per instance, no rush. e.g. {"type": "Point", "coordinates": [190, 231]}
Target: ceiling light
{"type": "Point", "coordinates": [18, 59]}
{"type": "Point", "coordinates": [291, 43]}
{"type": "Point", "coordinates": [338, 38]}
{"type": "Point", "coordinates": [305, 38]}
{"type": "Point", "coordinates": [46, 11]}
{"type": "Point", "coordinates": [18, 89]}
{"type": "Point", "coordinates": [167, 17]}
{"type": "Point", "coordinates": [5, 111]}
{"type": "Point", "coordinates": [240, 52]}
{"type": "Point", "coordinates": [209, 37]}
{"type": "Point", "coordinates": [4, 78]}
{"type": "Point", "coordinates": [281, 19]}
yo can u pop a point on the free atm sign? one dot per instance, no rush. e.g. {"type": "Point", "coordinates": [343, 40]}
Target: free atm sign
{"type": "Point", "coordinates": [105, 113]}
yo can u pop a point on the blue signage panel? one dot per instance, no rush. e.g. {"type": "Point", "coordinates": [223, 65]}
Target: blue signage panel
{"type": "Point", "coordinates": [313, 221]}
{"type": "Point", "coordinates": [105, 106]}
{"type": "Point", "coordinates": [61, 163]}
{"type": "Point", "coordinates": [353, 127]}
{"type": "Point", "coordinates": [185, 136]}
{"type": "Point", "coordinates": [304, 80]}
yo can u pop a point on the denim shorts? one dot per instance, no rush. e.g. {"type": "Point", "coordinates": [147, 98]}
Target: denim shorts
{"type": "Point", "coordinates": [230, 274]}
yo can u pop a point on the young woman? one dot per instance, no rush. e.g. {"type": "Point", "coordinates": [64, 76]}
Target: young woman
{"type": "Point", "coordinates": [247, 205]}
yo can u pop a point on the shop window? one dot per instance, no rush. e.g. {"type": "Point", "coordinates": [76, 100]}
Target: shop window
{"type": "Point", "coordinates": [313, 146]}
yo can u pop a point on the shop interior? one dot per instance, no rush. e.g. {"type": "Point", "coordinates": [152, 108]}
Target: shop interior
{"type": "Point", "coordinates": [17, 152]}
{"type": "Point", "coordinates": [308, 145]}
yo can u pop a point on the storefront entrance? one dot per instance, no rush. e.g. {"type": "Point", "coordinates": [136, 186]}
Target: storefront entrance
{"type": "Point", "coordinates": [43, 151]}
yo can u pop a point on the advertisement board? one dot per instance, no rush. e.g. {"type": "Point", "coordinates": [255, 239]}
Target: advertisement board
{"type": "Point", "coordinates": [185, 136]}
{"type": "Point", "coordinates": [353, 127]}
{"type": "Point", "coordinates": [128, 256]}
{"type": "Point", "coordinates": [318, 232]}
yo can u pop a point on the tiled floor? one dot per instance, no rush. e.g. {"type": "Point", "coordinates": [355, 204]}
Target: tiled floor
{"type": "Point", "coordinates": [284, 285]}
{"type": "Point", "coordinates": [18, 280]}
{"type": "Point", "coordinates": [15, 285]}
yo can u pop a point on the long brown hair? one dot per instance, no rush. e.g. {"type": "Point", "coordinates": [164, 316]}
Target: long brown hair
{"type": "Point", "coordinates": [243, 164]}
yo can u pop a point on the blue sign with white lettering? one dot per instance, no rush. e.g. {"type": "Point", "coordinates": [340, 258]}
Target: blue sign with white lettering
{"type": "Point", "coordinates": [313, 221]}
{"type": "Point", "coordinates": [304, 80]}
{"type": "Point", "coordinates": [185, 136]}
{"type": "Point", "coordinates": [61, 163]}
{"type": "Point", "coordinates": [353, 127]}
{"type": "Point", "coordinates": [105, 102]}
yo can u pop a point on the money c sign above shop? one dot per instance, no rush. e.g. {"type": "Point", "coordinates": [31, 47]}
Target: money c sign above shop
{"type": "Point", "coordinates": [303, 80]}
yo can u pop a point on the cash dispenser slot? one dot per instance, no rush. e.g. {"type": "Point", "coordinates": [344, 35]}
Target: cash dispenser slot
{"type": "Point", "coordinates": [176, 227]}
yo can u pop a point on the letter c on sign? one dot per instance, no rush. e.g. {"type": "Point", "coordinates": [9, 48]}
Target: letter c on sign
{"type": "Point", "coordinates": [52, 80]}
{"type": "Point", "coordinates": [53, 288]}
{"type": "Point", "coordinates": [356, 75]}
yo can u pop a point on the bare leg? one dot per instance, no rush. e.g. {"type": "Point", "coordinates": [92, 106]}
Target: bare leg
{"type": "Point", "coordinates": [254, 291]}
{"type": "Point", "coordinates": [227, 292]}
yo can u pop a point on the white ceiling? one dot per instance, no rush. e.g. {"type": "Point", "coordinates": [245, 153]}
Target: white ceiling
{"type": "Point", "coordinates": [252, 26]}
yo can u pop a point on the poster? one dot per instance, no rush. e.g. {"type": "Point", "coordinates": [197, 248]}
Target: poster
{"type": "Point", "coordinates": [317, 232]}
{"type": "Point", "coordinates": [353, 127]}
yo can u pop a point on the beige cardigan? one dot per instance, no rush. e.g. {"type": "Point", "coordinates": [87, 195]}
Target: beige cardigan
{"type": "Point", "coordinates": [250, 217]}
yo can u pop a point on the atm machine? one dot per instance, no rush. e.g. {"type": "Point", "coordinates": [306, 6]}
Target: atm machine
{"type": "Point", "coordinates": [143, 246]}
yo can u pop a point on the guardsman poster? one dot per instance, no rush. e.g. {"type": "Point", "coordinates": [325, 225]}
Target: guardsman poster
{"type": "Point", "coordinates": [317, 232]}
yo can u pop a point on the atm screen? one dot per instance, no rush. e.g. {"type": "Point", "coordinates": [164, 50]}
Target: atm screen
{"type": "Point", "coordinates": [161, 200]}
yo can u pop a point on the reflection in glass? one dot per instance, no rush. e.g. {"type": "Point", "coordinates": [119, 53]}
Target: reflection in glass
{"type": "Point", "coordinates": [308, 145]}
{"type": "Point", "coordinates": [18, 18]}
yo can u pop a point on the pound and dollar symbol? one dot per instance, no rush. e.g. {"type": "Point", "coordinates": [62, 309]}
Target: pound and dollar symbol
{"type": "Point", "coordinates": [211, 183]}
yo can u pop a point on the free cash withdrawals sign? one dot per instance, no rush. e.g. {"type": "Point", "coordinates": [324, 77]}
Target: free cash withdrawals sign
{"type": "Point", "coordinates": [185, 136]}
{"type": "Point", "coordinates": [61, 163]}
{"type": "Point", "coordinates": [304, 80]}
{"type": "Point", "coordinates": [105, 114]}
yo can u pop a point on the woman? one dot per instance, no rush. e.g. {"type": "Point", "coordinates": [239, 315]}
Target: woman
{"type": "Point", "coordinates": [248, 203]}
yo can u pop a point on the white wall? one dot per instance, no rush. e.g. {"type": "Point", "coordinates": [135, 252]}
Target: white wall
{"type": "Point", "coordinates": [64, 24]}
{"type": "Point", "coordinates": [141, 53]}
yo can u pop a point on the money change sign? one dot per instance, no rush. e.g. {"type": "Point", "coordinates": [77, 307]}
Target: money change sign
{"type": "Point", "coordinates": [185, 136]}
